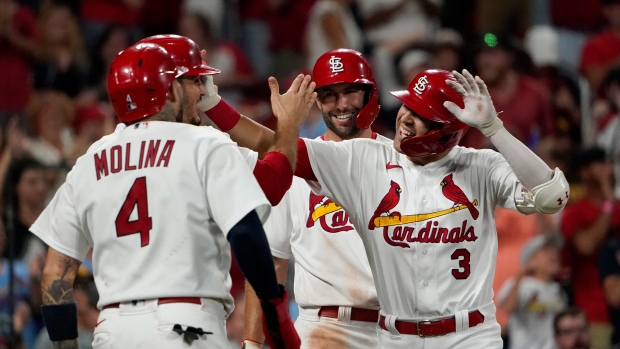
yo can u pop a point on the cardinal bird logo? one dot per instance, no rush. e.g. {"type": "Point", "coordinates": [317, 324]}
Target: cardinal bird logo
{"type": "Point", "coordinates": [456, 194]}
{"type": "Point", "coordinates": [314, 201]}
{"type": "Point", "coordinates": [389, 201]}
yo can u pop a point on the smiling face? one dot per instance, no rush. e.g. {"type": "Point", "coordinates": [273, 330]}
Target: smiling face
{"type": "Point", "coordinates": [193, 91]}
{"type": "Point", "coordinates": [410, 124]}
{"type": "Point", "coordinates": [340, 104]}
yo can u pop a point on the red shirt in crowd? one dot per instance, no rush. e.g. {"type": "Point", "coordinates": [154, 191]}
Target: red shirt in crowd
{"type": "Point", "coordinates": [585, 282]}
{"type": "Point", "coordinates": [15, 63]}
{"type": "Point", "coordinates": [528, 111]}
{"type": "Point", "coordinates": [600, 50]}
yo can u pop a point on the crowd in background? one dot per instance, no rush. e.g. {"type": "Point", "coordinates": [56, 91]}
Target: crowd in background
{"type": "Point", "coordinates": [552, 68]}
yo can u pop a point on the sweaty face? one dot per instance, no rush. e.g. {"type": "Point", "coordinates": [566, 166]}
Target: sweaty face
{"type": "Point", "coordinates": [193, 92]}
{"type": "Point", "coordinates": [409, 124]}
{"type": "Point", "coordinates": [340, 104]}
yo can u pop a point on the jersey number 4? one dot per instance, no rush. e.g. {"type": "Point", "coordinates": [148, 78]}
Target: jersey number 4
{"type": "Point", "coordinates": [143, 224]}
{"type": "Point", "coordinates": [464, 268]}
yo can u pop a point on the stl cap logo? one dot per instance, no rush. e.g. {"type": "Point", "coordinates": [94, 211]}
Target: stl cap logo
{"type": "Point", "coordinates": [420, 86]}
{"type": "Point", "coordinates": [130, 104]}
{"type": "Point", "coordinates": [336, 65]}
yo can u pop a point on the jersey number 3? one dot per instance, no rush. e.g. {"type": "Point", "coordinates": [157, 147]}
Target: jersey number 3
{"type": "Point", "coordinates": [144, 223]}
{"type": "Point", "coordinates": [464, 268]}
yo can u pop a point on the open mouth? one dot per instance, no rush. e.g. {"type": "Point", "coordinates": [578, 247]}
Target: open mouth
{"type": "Point", "coordinates": [344, 116]}
{"type": "Point", "coordinates": [405, 133]}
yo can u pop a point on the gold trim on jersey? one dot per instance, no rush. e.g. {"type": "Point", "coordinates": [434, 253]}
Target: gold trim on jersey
{"type": "Point", "coordinates": [324, 210]}
{"type": "Point", "coordinates": [386, 221]}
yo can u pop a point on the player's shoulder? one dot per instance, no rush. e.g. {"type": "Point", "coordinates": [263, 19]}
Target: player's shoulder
{"type": "Point", "coordinates": [475, 157]}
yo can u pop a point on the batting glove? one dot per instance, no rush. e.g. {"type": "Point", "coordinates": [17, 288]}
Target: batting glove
{"type": "Point", "coordinates": [277, 324]}
{"type": "Point", "coordinates": [212, 98]}
{"type": "Point", "coordinates": [479, 111]}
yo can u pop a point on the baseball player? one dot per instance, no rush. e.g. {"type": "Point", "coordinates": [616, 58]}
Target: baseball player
{"type": "Point", "coordinates": [160, 250]}
{"type": "Point", "coordinates": [274, 171]}
{"type": "Point", "coordinates": [424, 208]}
{"type": "Point", "coordinates": [333, 283]}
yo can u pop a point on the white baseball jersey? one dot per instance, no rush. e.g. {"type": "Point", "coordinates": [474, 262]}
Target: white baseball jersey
{"type": "Point", "coordinates": [155, 201]}
{"type": "Point", "coordinates": [331, 267]}
{"type": "Point", "coordinates": [531, 324]}
{"type": "Point", "coordinates": [428, 231]}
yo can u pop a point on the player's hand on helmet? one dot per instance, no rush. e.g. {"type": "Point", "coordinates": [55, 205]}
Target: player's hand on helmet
{"type": "Point", "coordinates": [479, 111]}
{"type": "Point", "coordinates": [296, 102]}
{"type": "Point", "coordinates": [277, 324]}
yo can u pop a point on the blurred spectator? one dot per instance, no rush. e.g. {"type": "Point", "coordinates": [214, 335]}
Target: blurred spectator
{"type": "Point", "coordinates": [523, 102]}
{"type": "Point", "coordinates": [398, 24]}
{"type": "Point", "coordinates": [212, 10]}
{"type": "Point", "coordinates": [331, 26]}
{"type": "Point", "coordinates": [608, 130]}
{"type": "Point", "coordinates": [235, 322]}
{"type": "Point", "coordinates": [447, 50]}
{"type": "Point", "coordinates": [86, 297]}
{"type": "Point", "coordinates": [509, 16]}
{"type": "Point", "coordinates": [460, 15]}
{"type": "Point", "coordinates": [18, 33]}
{"type": "Point", "coordinates": [256, 34]}
{"type": "Point", "coordinates": [223, 55]}
{"type": "Point", "coordinates": [29, 191]}
{"type": "Point", "coordinates": [91, 124]}
{"type": "Point", "coordinates": [574, 21]}
{"type": "Point", "coordinates": [287, 26]}
{"type": "Point", "coordinates": [99, 15]}
{"type": "Point", "coordinates": [513, 231]}
{"type": "Point", "coordinates": [113, 40]}
{"type": "Point", "coordinates": [586, 225]}
{"type": "Point", "coordinates": [64, 64]}
{"type": "Point", "coordinates": [50, 115]}
{"type": "Point", "coordinates": [602, 51]}
{"type": "Point", "coordinates": [533, 298]}
{"type": "Point", "coordinates": [21, 297]}
{"type": "Point", "coordinates": [609, 266]}
{"type": "Point", "coordinates": [572, 329]}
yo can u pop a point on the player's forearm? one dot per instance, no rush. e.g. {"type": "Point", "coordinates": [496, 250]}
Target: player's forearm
{"type": "Point", "coordinates": [529, 168]}
{"type": "Point", "coordinates": [59, 309]}
{"type": "Point", "coordinates": [285, 140]}
{"type": "Point", "coordinates": [252, 135]}
{"type": "Point", "coordinates": [253, 322]}
{"type": "Point", "coordinates": [611, 286]}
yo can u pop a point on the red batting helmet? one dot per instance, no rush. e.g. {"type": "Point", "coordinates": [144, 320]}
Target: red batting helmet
{"type": "Point", "coordinates": [425, 96]}
{"type": "Point", "coordinates": [184, 52]}
{"type": "Point", "coordinates": [349, 66]}
{"type": "Point", "coordinates": [139, 79]}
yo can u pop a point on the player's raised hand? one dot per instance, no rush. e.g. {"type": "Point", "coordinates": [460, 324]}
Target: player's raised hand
{"type": "Point", "coordinates": [296, 102]}
{"type": "Point", "coordinates": [479, 111]}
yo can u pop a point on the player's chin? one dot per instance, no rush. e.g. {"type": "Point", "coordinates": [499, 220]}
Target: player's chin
{"type": "Point", "coordinates": [397, 145]}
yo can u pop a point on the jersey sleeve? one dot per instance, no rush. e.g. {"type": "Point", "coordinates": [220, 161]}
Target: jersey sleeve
{"type": "Point", "coordinates": [232, 191]}
{"type": "Point", "coordinates": [502, 180]}
{"type": "Point", "coordinates": [59, 225]}
{"type": "Point", "coordinates": [337, 169]}
{"type": "Point", "coordinates": [250, 156]}
{"type": "Point", "coordinates": [279, 228]}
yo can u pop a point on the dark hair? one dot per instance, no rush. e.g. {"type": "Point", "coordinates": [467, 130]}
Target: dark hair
{"type": "Point", "coordinates": [589, 156]}
{"type": "Point", "coordinates": [612, 77]}
{"type": "Point", "coordinates": [15, 173]}
{"type": "Point", "coordinates": [568, 312]}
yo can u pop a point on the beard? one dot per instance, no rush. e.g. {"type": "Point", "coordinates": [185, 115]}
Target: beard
{"type": "Point", "coordinates": [343, 132]}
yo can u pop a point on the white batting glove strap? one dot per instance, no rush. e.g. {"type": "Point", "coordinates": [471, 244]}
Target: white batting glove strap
{"type": "Point", "coordinates": [212, 98]}
{"type": "Point", "coordinates": [479, 111]}
{"type": "Point", "coordinates": [248, 344]}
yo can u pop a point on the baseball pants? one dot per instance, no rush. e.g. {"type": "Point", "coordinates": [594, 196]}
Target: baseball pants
{"type": "Point", "coordinates": [145, 324]}
{"type": "Point", "coordinates": [328, 333]}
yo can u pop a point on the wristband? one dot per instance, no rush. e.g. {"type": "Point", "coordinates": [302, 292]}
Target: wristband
{"type": "Point", "coordinates": [607, 207]}
{"type": "Point", "coordinates": [249, 344]}
{"type": "Point", "coordinates": [492, 127]}
{"type": "Point", "coordinates": [60, 321]}
{"type": "Point", "coordinates": [223, 115]}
